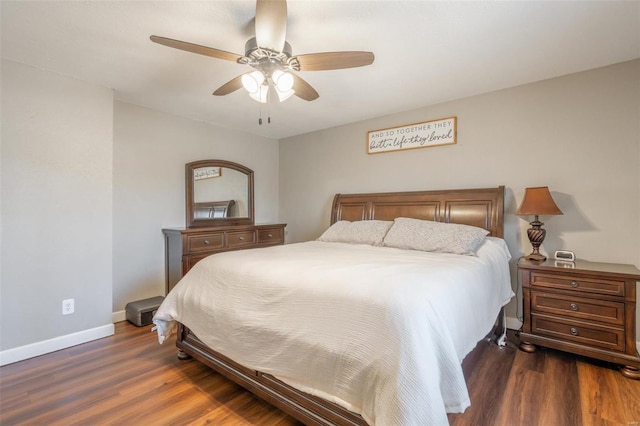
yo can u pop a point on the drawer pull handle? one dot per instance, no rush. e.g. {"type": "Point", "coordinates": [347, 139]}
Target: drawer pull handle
{"type": "Point", "coordinates": [206, 242]}
{"type": "Point", "coordinates": [269, 235]}
{"type": "Point", "coordinates": [574, 284]}
{"type": "Point", "coordinates": [574, 331]}
{"type": "Point", "coordinates": [574, 307]}
{"type": "Point", "coordinates": [241, 238]}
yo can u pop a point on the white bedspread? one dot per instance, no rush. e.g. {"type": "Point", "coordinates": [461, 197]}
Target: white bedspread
{"type": "Point", "coordinates": [380, 331]}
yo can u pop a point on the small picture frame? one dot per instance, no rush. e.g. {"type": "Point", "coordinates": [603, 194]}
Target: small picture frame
{"type": "Point", "coordinates": [207, 173]}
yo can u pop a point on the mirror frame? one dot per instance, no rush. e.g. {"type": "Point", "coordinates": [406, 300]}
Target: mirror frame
{"type": "Point", "coordinates": [192, 222]}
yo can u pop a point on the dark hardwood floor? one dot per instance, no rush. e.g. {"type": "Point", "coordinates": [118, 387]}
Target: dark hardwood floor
{"type": "Point", "coordinates": [128, 379]}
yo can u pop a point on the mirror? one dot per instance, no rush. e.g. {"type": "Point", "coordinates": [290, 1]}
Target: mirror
{"type": "Point", "coordinates": [218, 193]}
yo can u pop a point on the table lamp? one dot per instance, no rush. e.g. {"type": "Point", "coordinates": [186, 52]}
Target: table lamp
{"type": "Point", "coordinates": [537, 202]}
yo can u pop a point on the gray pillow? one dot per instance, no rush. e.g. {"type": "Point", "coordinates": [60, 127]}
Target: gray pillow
{"type": "Point", "coordinates": [426, 235]}
{"type": "Point", "coordinates": [370, 232]}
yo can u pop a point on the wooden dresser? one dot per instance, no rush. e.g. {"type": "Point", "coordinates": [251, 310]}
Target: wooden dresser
{"type": "Point", "coordinates": [582, 307]}
{"type": "Point", "coordinates": [185, 247]}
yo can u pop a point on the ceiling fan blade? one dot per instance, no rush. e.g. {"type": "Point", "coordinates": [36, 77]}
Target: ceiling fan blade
{"type": "Point", "coordinates": [196, 48]}
{"type": "Point", "coordinates": [229, 87]}
{"type": "Point", "coordinates": [303, 90]}
{"type": "Point", "coordinates": [333, 60]}
{"type": "Point", "coordinates": [271, 24]}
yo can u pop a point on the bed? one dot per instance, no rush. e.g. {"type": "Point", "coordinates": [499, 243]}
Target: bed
{"type": "Point", "coordinates": [400, 344]}
{"type": "Point", "coordinates": [213, 209]}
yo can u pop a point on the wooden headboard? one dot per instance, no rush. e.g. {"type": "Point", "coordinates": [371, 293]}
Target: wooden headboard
{"type": "Point", "coordinates": [213, 209]}
{"type": "Point", "coordinates": [483, 208]}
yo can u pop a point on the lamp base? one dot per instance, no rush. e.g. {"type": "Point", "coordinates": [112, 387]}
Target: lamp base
{"type": "Point", "coordinates": [536, 236]}
{"type": "Point", "coordinates": [534, 256]}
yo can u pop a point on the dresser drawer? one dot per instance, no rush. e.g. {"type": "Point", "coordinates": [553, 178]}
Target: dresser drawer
{"type": "Point", "coordinates": [189, 261]}
{"type": "Point", "coordinates": [205, 242]}
{"type": "Point", "coordinates": [270, 236]}
{"type": "Point", "coordinates": [578, 284]}
{"type": "Point", "coordinates": [185, 247]}
{"type": "Point", "coordinates": [593, 335]}
{"type": "Point", "coordinates": [241, 239]}
{"type": "Point", "coordinates": [578, 307]}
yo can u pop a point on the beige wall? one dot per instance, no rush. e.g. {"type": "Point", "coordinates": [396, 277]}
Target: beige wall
{"type": "Point", "coordinates": [578, 134]}
{"type": "Point", "coordinates": [150, 152]}
{"type": "Point", "coordinates": [87, 185]}
{"type": "Point", "coordinates": [56, 211]}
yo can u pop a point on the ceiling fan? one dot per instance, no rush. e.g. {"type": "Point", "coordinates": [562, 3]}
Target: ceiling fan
{"type": "Point", "coordinates": [271, 56]}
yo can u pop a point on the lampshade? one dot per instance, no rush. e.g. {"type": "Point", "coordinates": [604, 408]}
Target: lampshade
{"type": "Point", "coordinates": [538, 201]}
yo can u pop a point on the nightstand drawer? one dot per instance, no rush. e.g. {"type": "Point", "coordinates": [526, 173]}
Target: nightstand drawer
{"type": "Point", "coordinates": [270, 236]}
{"type": "Point", "coordinates": [578, 307]}
{"type": "Point", "coordinates": [577, 284]}
{"type": "Point", "coordinates": [593, 335]}
{"type": "Point", "coordinates": [205, 242]}
{"type": "Point", "coordinates": [241, 239]}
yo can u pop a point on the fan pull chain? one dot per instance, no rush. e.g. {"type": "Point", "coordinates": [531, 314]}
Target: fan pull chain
{"type": "Point", "coordinates": [268, 111]}
{"type": "Point", "coordinates": [268, 103]}
{"type": "Point", "coordinates": [269, 97]}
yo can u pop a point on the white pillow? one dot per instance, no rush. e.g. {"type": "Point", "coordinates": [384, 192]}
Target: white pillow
{"type": "Point", "coordinates": [360, 232]}
{"type": "Point", "coordinates": [426, 235]}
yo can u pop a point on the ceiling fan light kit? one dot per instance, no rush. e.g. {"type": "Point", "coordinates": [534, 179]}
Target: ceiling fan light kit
{"type": "Point", "coordinates": [258, 84]}
{"type": "Point", "coordinates": [271, 57]}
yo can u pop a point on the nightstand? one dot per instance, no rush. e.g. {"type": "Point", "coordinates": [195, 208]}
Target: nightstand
{"type": "Point", "coordinates": [586, 308]}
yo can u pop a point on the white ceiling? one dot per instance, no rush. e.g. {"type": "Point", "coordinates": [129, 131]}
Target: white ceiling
{"type": "Point", "coordinates": [426, 52]}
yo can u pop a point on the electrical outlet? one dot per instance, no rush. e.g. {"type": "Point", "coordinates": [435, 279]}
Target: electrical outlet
{"type": "Point", "coordinates": [68, 306]}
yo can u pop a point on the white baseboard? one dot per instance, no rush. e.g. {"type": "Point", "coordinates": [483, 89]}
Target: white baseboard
{"type": "Point", "coordinates": [118, 316]}
{"type": "Point", "coordinates": [20, 353]}
{"type": "Point", "coordinates": [513, 323]}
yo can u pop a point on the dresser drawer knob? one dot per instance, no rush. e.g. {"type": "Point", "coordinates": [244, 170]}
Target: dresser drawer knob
{"type": "Point", "coordinates": [207, 242]}
{"type": "Point", "coordinates": [574, 284]}
{"type": "Point", "coordinates": [574, 307]}
{"type": "Point", "coordinates": [574, 331]}
{"type": "Point", "coordinates": [241, 238]}
{"type": "Point", "coordinates": [269, 235]}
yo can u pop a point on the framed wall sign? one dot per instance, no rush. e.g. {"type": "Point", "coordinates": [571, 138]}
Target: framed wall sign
{"type": "Point", "coordinates": [206, 173]}
{"type": "Point", "coordinates": [411, 136]}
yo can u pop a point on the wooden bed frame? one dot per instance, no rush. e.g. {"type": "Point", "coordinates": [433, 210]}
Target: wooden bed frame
{"type": "Point", "coordinates": [478, 207]}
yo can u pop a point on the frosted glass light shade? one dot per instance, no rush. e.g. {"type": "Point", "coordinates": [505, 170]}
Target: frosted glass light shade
{"type": "Point", "coordinates": [283, 96]}
{"type": "Point", "coordinates": [283, 81]}
{"type": "Point", "coordinates": [260, 94]}
{"type": "Point", "coordinates": [252, 82]}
